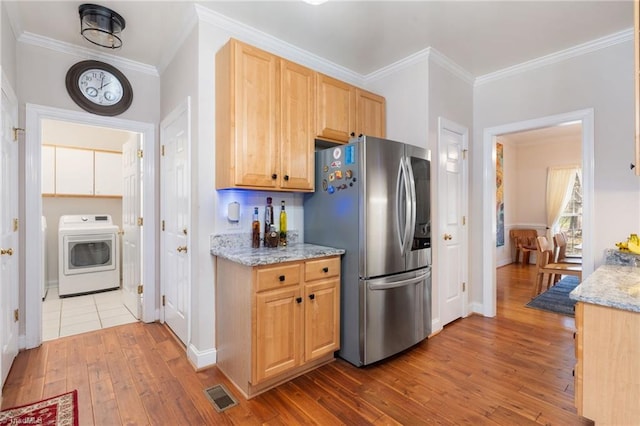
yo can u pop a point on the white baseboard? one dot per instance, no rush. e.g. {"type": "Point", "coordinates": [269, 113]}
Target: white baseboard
{"type": "Point", "coordinates": [22, 342]}
{"type": "Point", "coordinates": [202, 359]}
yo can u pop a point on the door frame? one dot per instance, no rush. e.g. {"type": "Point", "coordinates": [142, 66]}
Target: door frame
{"type": "Point", "coordinates": [488, 259]}
{"type": "Point", "coordinates": [33, 208]}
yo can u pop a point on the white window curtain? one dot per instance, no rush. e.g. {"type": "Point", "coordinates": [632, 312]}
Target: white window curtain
{"type": "Point", "coordinates": [560, 181]}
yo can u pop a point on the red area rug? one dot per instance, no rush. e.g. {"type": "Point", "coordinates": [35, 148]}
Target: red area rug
{"type": "Point", "coordinates": [61, 410]}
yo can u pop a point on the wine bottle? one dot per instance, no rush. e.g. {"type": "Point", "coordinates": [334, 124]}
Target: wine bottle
{"type": "Point", "coordinates": [283, 225]}
{"type": "Point", "coordinates": [268, 220]}
{"type": "Point", "coordinates": [255, 230]}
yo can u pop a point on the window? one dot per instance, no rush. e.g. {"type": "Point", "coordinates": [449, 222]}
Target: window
{"type": "Point", "coordinates": [570, 220]}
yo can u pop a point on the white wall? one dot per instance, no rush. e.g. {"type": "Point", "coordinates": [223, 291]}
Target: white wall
{"type": "Point", "coordinates": [602, 80]}
{"type": "Point", "coordinates": [7, 47]}
{"type": "Point", "coordinates": [406, 93]}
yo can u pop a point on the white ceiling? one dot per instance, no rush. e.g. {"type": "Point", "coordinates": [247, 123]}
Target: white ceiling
{"type": "Point", "coordinates": [362, 36]}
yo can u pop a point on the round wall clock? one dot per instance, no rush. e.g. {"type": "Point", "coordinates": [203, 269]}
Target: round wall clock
{"type": "Point", "coordinates": [99, 88]}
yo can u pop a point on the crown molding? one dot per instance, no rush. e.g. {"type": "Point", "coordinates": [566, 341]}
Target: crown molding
{"type": "Point", "coordinates": [562, 55]}
{"type": "Point", "coordinates": [276, 46]}
{"type": "Point", "coordinates": [85, 53]}
{"type": "Point", "coordinates": [451, 66]}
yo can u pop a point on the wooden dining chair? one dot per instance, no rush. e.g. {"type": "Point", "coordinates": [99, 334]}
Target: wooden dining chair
{"type": "Point", "coordinates": [560, 242]}
{"type": "Point", "coordinates": [547, 269]}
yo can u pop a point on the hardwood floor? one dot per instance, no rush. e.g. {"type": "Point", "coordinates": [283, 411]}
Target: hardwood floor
{"type": "Point", "coordinates": [512, 369]}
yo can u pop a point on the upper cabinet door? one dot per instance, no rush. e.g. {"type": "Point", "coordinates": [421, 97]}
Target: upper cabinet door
{"type": "Point", "coordinates": [74, 171]}
{"type": "Point", "coordinates": [108, 173]}
{"type": "Point", "coordinates": [370, 119]}
{"type": "Point", "coordinates": [246, 112]}
{"type": "Point", "coordinates": [335, 109]}
{"type": "Point", "coordinates": [297, 128]}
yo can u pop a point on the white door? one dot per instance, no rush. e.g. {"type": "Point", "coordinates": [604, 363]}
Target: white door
{"type": "Point", "coordinates": [131, 231]}
{"type": "Point", "coordinates": [8, 231]}
{"type": "Point", "coordinates": [175, 202]}
{"type": "Point", "coordinates": [452, 202]}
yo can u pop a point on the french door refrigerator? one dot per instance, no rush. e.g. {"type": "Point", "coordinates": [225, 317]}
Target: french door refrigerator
{"type": "Point", "coordinates": [372, 199]}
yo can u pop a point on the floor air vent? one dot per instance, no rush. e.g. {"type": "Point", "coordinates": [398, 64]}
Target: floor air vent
{"type": "Point", "coordinates": [220, 397]}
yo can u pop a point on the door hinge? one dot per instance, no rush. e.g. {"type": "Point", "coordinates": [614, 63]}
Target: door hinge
{"type": "Point", "coordinates": [162, 150]}
{"type": "Point", "coordinates": [464, 154]}
{"type": "Point", "coordinates": [140, 288]}
{"type": "Point", "coordinates": [16, 315]}
{"type": "Point", "coordinates": [140, 221]}
{"type": "Point", "coordinates": [15, 133]}
{"type": "Point", "coordinates": [16, 224]}
{"type": "Point", "coordinates": [140, 153]}
{"type": "Point", "coordinates": [464, 287]}
{"type": "Point", "coordinates": [464, 220]}
{"type": "Point", "coordinates": [163, 300]}
{"type": "Point", "coordinates": [163, 225]}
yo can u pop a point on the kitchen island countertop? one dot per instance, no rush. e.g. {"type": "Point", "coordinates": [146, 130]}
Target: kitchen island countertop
{"type": "Point", "coordinates": [267, 256]}
{"type": "Point", "coordinates": [615, 286]}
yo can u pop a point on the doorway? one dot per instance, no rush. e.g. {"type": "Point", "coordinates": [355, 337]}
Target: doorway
{"type": "Point", "coordinates": [35, 115]}
{"type": "Point", "coordinates": [489, 224]}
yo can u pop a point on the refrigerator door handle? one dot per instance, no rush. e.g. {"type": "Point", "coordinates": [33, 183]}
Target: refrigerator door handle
{"type": "Point", "coordinates": [402, 283]}
{"type": "Point", "coordinates": [403, 189]}
{"type": "Point", "coordinates": [412, 190]}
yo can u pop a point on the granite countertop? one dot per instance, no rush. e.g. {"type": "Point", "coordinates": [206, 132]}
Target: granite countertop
{"type": "Point", "coordinates": [616, 285]}
{"type": "Point", "coordinates": [267, 256]}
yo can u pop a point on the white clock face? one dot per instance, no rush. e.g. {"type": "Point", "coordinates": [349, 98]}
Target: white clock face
{"type": "Point", "coordinates": [100, 87]}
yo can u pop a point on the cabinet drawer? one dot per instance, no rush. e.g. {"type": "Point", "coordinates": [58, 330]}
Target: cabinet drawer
{"type": "Point", "coordinates": [277, 277]}
{"type": "Point", "coordinates": [322, 268]}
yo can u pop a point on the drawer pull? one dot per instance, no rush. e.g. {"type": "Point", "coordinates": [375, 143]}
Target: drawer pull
{"type": "Point", "coordinates": [299, 299]}
{"type": "Point", "coordinates": [325, 269]}
{"type": "Point", "coordinates": [312, 296]}
{"type": "Point", "coordinates": [281, 278]}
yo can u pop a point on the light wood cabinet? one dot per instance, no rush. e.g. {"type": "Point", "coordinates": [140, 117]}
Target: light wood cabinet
{"type": "Point", "coordinates": [297, 124]}
{"type": "Point", "coordinates": [344, 111]}
{"type": "Point", "coordinates": [607, 372]}
{"type": "Point", "coordinates": [276, 322]}
{"type": "Point", "coordinates": [370, 118]}
{"type": "Point", "coordinates": [269, 112]}
{"type": "Point", "coordinates": [246, 113]}
{"type": "Point", "coordinates": [264, 121]}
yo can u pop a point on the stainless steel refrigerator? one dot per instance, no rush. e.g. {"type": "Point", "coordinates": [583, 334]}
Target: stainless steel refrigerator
{"type": "Point", "coordinates": [372, 198]}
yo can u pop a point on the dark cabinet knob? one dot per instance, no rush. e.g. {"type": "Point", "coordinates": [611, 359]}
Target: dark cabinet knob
{"type": "Point", "coordinates": [312, 296]}
{"type": "Point", "coordinates": [281, 278]}
{"type": "Point", "coordinates": [274, 176]}
{"type": "Point", "coordinates": [299, 299]}
{"type": "Point", "coordinates": [325, 269]}
{"type": "Point", "coordinates": [353, 134]}
{"type": "Point", "coordinates": [286, 177]}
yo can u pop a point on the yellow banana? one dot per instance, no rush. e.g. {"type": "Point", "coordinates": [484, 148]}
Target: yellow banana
{"type": "Point", "coordinates": [634, 247]}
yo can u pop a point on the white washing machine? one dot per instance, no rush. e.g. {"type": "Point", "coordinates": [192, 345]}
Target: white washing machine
{"type": "Point", "coordinates": [88, 254]}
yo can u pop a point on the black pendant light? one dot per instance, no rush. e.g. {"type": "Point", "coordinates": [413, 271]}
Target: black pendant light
{"type": "Point", "coordinates": [101, 26]}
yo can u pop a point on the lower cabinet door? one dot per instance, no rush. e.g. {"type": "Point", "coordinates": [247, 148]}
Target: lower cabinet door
{"type": "Point", "coordinates": [278, 332]}
{"type": "Point", "coordinates": [322, 318]}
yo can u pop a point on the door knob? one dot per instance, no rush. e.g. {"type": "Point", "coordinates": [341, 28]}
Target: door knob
{"type": "Point", "coordinates": [182, 249]}
{"type": "Point", "coordinates": [8, 251]}
{"type": "Point", "coordinates": [447, 237]}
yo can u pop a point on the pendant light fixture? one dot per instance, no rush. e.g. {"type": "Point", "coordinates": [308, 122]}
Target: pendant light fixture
{"type": "Point", "coordinates": [101, 26]}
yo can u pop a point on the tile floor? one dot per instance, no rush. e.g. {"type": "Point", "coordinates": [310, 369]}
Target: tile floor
{"type": "Point", "coordinates": [80, 314]}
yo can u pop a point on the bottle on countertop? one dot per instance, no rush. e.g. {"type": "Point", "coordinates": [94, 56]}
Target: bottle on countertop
{"type": "Point", "coordinates": [268, 220]}
{"type": "Point", "coordinates": [283, 225]}
{"type": "Point", "coordinates": [255, 230]}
